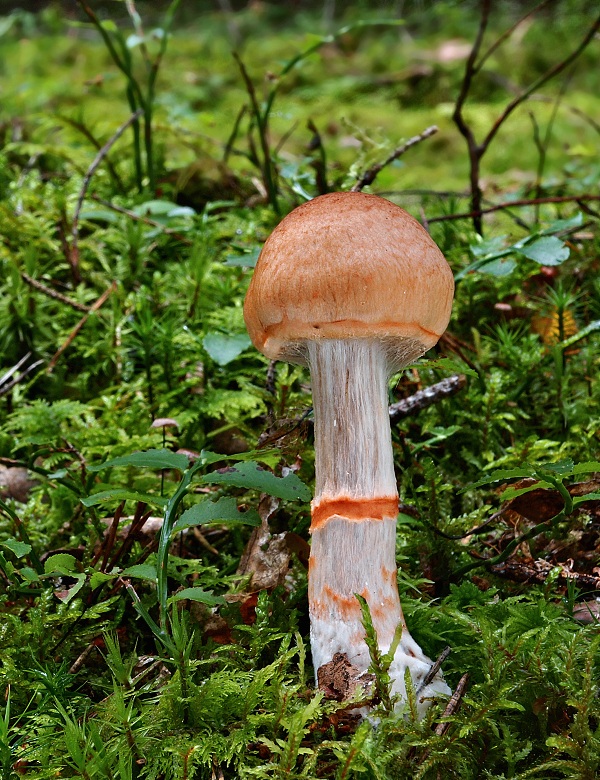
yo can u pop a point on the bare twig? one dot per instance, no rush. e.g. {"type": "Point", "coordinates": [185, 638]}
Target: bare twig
{"type": "Point", "coordinates": [452, 705]}
{"type": "Point", "coordinates": [506, 34]}
{"type": "Point", "coordinates": [88, 177]}
{"type": "Point", "coordinates": [537, 572]}
{"type": "Point", "coordinates": [427, 397]}
{"type": "Point", "coordinates": [94, 307]}
{"type": "Point", "coordinates": [513, 203]}
{"type": "Point", "coordinates": [87, 133]}
{"type": "Point", "coordinates": [146, 220]}
{"type": "Point", "coordinates": [53, 293]}
{"type": "Point", "coordinates": [435, 668]}
{"type": "Point", "coordinates": [477, 149]}
{"type": "Point", "coordinates": [368, 177]}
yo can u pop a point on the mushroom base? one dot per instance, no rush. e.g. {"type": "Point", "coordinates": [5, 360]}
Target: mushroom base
{"type": "Point", "coordinates": [336, 622]}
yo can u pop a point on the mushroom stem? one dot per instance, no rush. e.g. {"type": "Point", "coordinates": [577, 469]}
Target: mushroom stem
{"type": "Point", "coordinates": [355, 508]}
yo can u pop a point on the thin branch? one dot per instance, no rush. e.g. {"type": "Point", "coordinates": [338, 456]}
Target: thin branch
{"type": "Point", "coordinates": [87, 133]}
{"type": "Point", "coordinates": [435, 668]}
{"type": "Point", "coordinates": [90, 172]}
{"type": "Point", "coordinates": [452, 705]}
{"type": "Point", "coordinates": [94, 307]}
{"type": "Point", "coordinates": [543, 79]}
{"type": "Point", "coordinates": [53, 294]}
{"type": "Point", "coordinates": [426, 397]}
{"type": "Point", "coordinates": [506, 34]}
{"type": "Point", "coordinates": [368, 177]}
{"type": "Point", "coordinates": [146, 220]}
{"type": "Point", "coordinates": [514, 203]}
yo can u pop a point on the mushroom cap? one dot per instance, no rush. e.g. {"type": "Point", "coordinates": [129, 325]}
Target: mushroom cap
{"type": "Point", "coordinates": [349, 265]}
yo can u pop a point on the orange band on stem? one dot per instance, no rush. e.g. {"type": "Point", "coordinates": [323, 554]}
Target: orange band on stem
{"type": "Point", "coordinates": [353, 509]}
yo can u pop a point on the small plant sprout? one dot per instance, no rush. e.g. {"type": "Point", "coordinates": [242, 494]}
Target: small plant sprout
{"type": "Point", "coordinates": [352, 286]}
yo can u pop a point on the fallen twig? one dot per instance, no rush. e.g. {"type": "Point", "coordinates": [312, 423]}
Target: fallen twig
{"type": "Point", "coordinates": [435, 668]}
{"type": "Point", "coordinates": [368, 177]}
{"type": "Point", "coordinates": [88, 177]}
{"type": "Point", "coordinates": [452, 705]}
{"type": "Point", "coordinates": [53, 294]}
{"type": "Point", "coordinates": [94, 307]}
{"type": "Point", "coordinates": [538, 571]}
{"type": "Point", "coordinates": [146, 220]}
{"type": "Point", "coordinates": [427, 397]}
{"type": "Point", "coordinates": [513, 203]}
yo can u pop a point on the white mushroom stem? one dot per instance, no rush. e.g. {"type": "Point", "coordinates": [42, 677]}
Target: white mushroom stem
{"type": "Point", "coordinates": [355, 508]}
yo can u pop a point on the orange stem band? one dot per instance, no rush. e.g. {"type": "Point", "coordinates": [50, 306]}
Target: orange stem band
{"type": "Point", "coordinates": [354, 509]}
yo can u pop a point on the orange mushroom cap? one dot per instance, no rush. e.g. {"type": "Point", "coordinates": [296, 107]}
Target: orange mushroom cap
{"type": "Point", "coordinates": [349, 265]}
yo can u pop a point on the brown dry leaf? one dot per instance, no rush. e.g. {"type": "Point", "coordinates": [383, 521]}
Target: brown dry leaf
{"type": "Point", "coordinates": [339, 679]}
{"type": "Point", "coordinates": [266, 559]}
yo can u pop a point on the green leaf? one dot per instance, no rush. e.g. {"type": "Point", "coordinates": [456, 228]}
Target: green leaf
{"type": "Point", "coordinates": [559, 225]}
{"type": "Point", "coordinates": [74, 590]}
{"type": "Point", "coordinates": [224, 510]}
{"type": "Point", "coordinates": [99, 215]}
{"type": "Point", "coordinates": [247, 260]}
{"type": "Point", "coordinates": [16, 547]}
{"type": "Point", "coordinates": [61, 563]}
{"type": "Point", "coordinates": [122, 494]}
{"type": "Point", "coordinates": [197, 594]}
{"type": "Point", "coordinates": [29, 574]}
{"type": "Point", "coordinates": [99, 578]}
{"type": "Point", "coordinates": [142, 571]}
{"type": "Point", "coordinates": [224, 348]}
{"type": "Point", "coordinates": [147, 459]}
{"type": "Point", "coordinates": [548, 250]}
{"type": "Point", "coordinates": [500, 475]}
{"type": "Point", "coordinates": [563, 467]}
{"type": "Point", "coordinates": [251, 476]}
{"type": "Point", "coordinates": [511, 492]}
{"type": "Point", "coordinates": [590, 467]}
{"type": "Point", "coordinates": [586, 497]}
{"type": "Point", "coordinates": [502, 266]}
{"type": "Point", "coordinates": [450, 365]}
{"type": "Point", "coordinates": [489, 246]}
{"type": "Point", "coordinates": [162, 210]}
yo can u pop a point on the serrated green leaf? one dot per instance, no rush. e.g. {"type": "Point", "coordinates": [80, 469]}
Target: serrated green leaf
{"type": "Point", "coordinates": [61, 563]}
{"type": "Point", "coordinates": [197, 594]}
{"type": "Point", "coordinates": [590, 467]}
{"type": "Point", "coordinates": [16, 547]}
{"type": "Point", "coordinates": [224, 510]}
{"type": "Point", "coordinates": [142, 571]}
{"type": "Point", "coordinates": [587, 497]}
{"type": "Point", "coordinates": [122, 494]}
{"type": "Point", "coordinates": [511, 492]}
{"type": "Point", "coordinates": [548, 250]}
{"type": "Point", "coordinates": [147, 459]}
{"type": "Point", "coordinates": [562, 467]}
{"type": "Point", "coordinates": [223, 348]}
{"type": "Point", "coordinates": [502, 474]}
{"type": "Point", "coordinates": [251, 476]}
{"type": "Point", "coordinates": [99, 578]}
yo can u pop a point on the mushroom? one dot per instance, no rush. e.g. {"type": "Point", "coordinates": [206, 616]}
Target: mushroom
{"type": "Point", "coordinates": [352, 286]}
